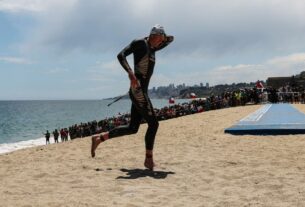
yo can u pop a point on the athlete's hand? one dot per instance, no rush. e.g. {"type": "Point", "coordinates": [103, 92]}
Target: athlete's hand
{"type": "Point", "coordinates": [134, 83]}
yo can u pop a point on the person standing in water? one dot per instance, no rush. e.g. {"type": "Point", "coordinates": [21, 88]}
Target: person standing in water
{"type": "Point", "coordinates": [143, 51]}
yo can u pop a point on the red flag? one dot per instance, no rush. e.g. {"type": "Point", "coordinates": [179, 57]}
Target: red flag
{"type": "Point", "coordinates": [171, 100]}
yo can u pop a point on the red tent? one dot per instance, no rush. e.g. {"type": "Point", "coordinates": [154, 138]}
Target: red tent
{"type": "Point", "coordinates": [259, 84]}
{"type": "Point", "coordinates": [193, 95]}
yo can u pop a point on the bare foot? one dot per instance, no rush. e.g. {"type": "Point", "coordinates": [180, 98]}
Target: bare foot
{"type": "Point", "coordinates": [149, 163]}
{"type": "Point", "coordinates": [95, 141]}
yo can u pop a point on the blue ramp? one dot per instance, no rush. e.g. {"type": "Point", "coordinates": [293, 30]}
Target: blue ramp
{"type": "Point", "coordinates": [271, 119]}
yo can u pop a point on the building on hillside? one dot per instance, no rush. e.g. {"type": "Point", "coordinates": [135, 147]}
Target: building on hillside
{"type": "Point", "coordinates": [277, 82]}
{"type": "Point", "coordinates": [294, 81]}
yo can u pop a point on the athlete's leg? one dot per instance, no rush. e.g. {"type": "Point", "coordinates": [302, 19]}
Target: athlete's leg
{"type": "Point", "coordinates": [145, 108]}
{"type": "Point", "coordinates": [149, 116]}
{"type": "Point", "coordinates": [150, 135]}
{"type": "Point", "coordinates": [131, 128]}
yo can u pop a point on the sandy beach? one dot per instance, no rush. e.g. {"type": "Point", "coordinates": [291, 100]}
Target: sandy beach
{"type": "Point", "coordinates": [198, 165]}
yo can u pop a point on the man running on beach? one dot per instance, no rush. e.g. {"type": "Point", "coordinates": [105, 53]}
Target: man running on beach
{"type": "Point", "coordinates": [144, 61]}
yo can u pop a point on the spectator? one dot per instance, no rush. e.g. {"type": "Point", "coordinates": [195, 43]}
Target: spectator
{"type": "Point", "coordinates": [47, 135]}
{"type": "Point", "coordinates": [56, 135]}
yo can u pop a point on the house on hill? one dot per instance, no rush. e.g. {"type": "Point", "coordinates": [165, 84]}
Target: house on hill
{"type": "Point", "coordinates": [294, 81]}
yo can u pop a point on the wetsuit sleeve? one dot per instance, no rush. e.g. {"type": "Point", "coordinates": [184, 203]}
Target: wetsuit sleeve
{"type": "Point", "coordinates": [167, 41]}
{"type": "Point", "coordinates": [125, 52]}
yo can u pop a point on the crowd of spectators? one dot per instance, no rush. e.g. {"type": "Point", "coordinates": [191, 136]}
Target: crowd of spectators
{"type": "Point", "coordinates": [289, 94]}
{"type": "Point", "coordinates": [234, 98]}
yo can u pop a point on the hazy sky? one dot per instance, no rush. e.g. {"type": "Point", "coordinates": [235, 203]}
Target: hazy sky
{"type": "Point", "coordinates": [54, 49]}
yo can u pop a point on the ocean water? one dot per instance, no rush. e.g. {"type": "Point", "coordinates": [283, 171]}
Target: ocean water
{"type": "Point", "coordinates": [23, 123]}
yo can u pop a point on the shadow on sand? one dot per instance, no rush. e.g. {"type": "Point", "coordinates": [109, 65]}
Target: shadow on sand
{"type": "Point", "coordinates": [140, 173]}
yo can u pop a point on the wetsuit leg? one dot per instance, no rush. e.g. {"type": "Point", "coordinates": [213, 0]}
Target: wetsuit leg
{"type": "Point", "coordinates": [153, 126]}
{"type": "Point", "coordinates": [145, 108]}
{"type": "Point", "coordinates": [141, 108]}
{"type": "Point", "coordinates": [131, 128]}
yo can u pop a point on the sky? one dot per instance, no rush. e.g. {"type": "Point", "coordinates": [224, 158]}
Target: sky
{"type": "Point", "coordinates": [54, 49]}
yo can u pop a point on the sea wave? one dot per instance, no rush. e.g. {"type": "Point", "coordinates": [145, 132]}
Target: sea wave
{"type": "Point", "coordinates": [10, 147]}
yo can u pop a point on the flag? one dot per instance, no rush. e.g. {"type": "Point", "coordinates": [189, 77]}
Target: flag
{"type": "Point", "coordinates": [171, 100]}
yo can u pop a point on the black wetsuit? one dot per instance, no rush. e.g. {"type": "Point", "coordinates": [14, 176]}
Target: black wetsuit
{"type": "Point", "coordinates": [144, 62]}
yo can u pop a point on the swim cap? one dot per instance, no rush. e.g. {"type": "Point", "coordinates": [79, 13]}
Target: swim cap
{"type": "Point", "coordinates": [157, 30]}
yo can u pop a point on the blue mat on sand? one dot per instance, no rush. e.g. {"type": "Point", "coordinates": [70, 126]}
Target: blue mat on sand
{"type": "Point", "coordinates": [271, 119]}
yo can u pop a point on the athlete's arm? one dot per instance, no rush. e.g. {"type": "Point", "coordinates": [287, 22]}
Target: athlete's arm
{"type": "Point", "coordinates": [123, 54]}
{"type": "Point", "coordinates": [167, 41]}
{"type": "Point", "coordinates": [123, 61]}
